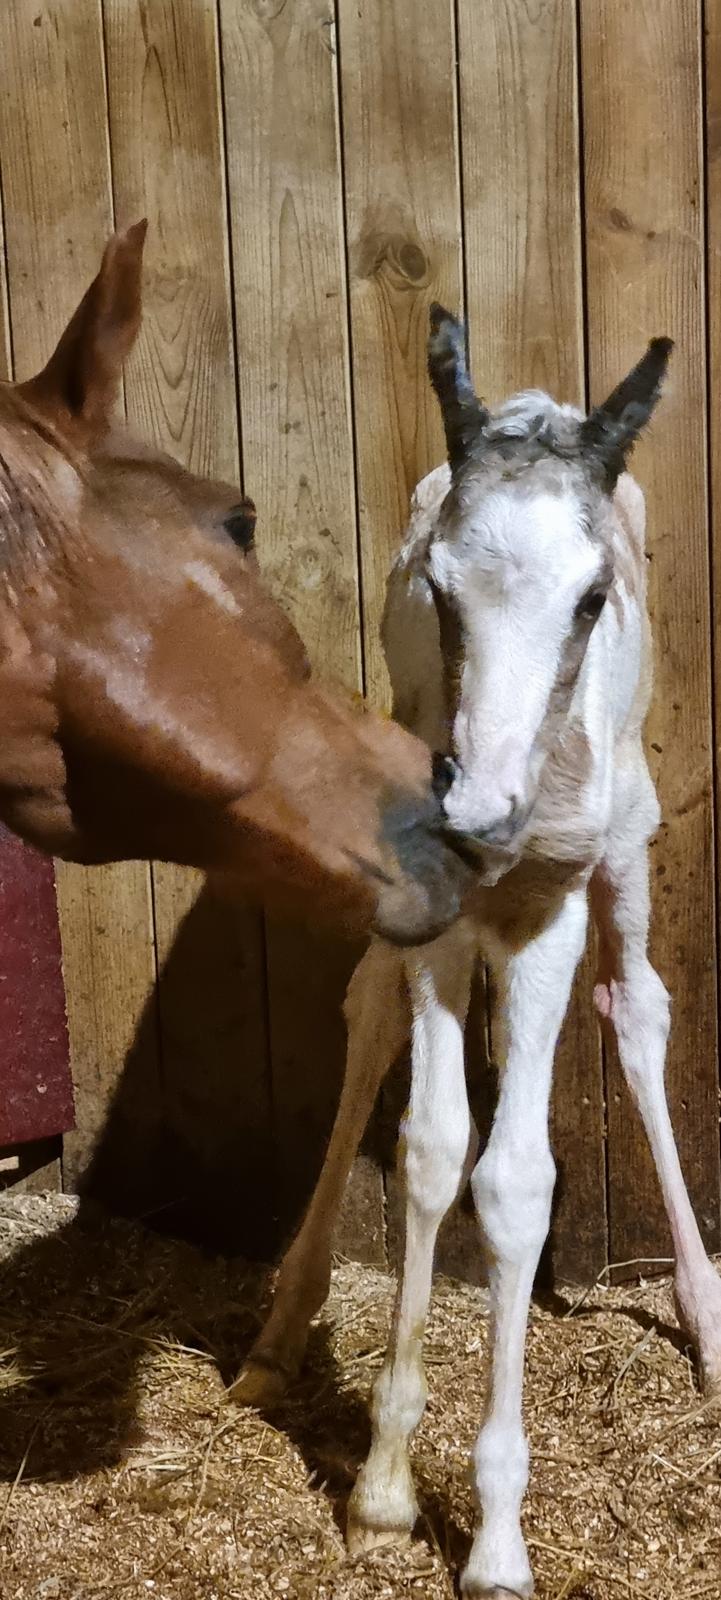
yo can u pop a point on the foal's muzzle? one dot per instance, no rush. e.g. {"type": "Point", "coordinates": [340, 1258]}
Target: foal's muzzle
{"type": "Point", "coordinates": [499, 834]}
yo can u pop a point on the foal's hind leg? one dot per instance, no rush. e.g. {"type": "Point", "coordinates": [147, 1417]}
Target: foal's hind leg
{"type": "Point", "coordinates": [376, 1010]}
{"type": "Point", "coordinates": [435, 1140]}
{"type": "Point", "coordinates": [630, 995]}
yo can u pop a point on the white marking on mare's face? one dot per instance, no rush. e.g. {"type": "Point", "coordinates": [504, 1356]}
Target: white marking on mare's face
{"type": "Point", "coordinates": [511, 564]}
{"type": "Point", "coordinates": [205, 577]}
{"type": "Point", "coordinates": [163, 709]}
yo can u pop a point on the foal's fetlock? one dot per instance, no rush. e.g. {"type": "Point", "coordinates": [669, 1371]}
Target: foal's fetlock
{"type": "Point", "coordinates": [698, 1307]}
{"type": "Point", "coordinates": [260, 1384]}
{"type": "Point", "coordinates": [276, 1358]}
{"type": "Point", "coordinates": [382, 1508]}
{"type": "Point", "coordinates": [267, 1373]}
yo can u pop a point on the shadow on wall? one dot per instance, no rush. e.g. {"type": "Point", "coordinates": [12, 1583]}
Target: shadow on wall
{"type": "Point", "coordinates": [216, 1130]}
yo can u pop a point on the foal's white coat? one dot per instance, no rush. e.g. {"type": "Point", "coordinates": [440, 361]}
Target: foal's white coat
{"type": "Point", "coordinates": [548, 708]}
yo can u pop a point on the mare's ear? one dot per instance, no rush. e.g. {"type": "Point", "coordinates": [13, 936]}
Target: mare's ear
{"type": "Point", "coordinates": [80, 383]}
{"type": "Point", "coordinates": [609, 434]}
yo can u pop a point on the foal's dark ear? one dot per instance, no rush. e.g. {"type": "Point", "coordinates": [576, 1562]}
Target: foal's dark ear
{"type": "Point", "coordinates": [610, 432]}
{"type": "Point", "coordinates": [80, 383]}
{"type": "Point", "coordinates": [464, 418]}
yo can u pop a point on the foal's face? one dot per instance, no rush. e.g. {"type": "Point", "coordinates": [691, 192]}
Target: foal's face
{"type": "Point", "coordinates": [519, 573]}
{"type": "Point", "coordinates": [519, 564]}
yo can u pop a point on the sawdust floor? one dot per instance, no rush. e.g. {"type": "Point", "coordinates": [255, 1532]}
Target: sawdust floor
{"type": "Point", "coordinates": [124, 1473]}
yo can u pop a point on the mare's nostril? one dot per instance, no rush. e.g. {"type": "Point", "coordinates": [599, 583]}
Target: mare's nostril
{"type": "Point", "coordinates": [444, 771]}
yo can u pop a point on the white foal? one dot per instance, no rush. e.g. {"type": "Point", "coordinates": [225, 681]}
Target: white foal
{"type": "Point", "coordinates": [518, 644]}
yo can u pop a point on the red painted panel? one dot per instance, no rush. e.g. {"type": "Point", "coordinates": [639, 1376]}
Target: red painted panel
{"type": "Point", "coordinates": [36, 1092]}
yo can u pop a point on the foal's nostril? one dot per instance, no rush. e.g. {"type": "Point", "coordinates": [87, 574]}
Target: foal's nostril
{"type": "Point", "coordinates": [444, 771]}
{"type": "Point", "coordinates": [501, 832]}
{"type": "Point", "coordinates": [505, 828]}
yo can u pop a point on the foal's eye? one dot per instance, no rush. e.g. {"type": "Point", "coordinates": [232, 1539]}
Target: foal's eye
{"type": "Point", "coordinates": [240, 524]}
{"type": "Point", "coordinates": [592, 604]}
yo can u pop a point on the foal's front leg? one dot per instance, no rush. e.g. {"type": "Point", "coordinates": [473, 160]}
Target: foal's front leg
{"type": "Point", "coordinates": [376, 1011]}
{"type": "Point", "coordinates": [434, 1142]}
{"type": "Point", "coordinates": [512, 1189]}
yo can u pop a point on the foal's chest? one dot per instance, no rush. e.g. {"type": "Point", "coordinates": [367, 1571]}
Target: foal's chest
{"type": "Point", "coordinates": [518, 907]}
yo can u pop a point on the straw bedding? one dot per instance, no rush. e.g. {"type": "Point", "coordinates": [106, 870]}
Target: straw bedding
{"type": "Point", "coordinates": [123, 1472]}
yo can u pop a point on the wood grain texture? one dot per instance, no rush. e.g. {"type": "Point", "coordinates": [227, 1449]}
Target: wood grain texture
{"type": "Point", "coordinates": [521, 196]}
{"type": "Point", "coordinates": [37, 1091]}
{"type": "Point", "coordinates": [168, 165]}
{"type": "Point", "coordinates": [58, 214]}
{"type": "Point", "coordinates": [523, 231]}
{"type": "Point", "coordinates": [641, 86]}
{"type": "Point", "coordinates": [6, 365]}
{"type": "Point", "coordinates": [287, 239]}
{"type": "Point", "coordinates": [712, 21]}
{"type": "Point", "coordinates": [404, 251]}
{"type": "Point", "coordinates": [279, 71]}
{"type": "Point", "coordinates": [304, 181]}
{"type": "Point", "coordinates": [35, 1166]}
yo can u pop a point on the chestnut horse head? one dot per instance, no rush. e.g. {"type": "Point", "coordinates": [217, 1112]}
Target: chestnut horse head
{"type": "Point", "coordinates": [154, 700]}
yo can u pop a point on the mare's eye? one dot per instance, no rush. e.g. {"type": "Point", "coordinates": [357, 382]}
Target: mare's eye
{"type": "Point", "coordinates": [592, 604]}
{"type": "Point", "coordinates": [240, 524]}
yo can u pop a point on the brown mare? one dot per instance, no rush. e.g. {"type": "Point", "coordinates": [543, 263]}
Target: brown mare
{"type": "Point", "coordinates": [155, 701]}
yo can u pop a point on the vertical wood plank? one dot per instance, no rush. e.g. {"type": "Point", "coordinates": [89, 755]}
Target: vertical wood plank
{"type": "Point", "coordinates": [167, 160]}
{"type": "Point", "coordinates": [56, 183]}
{"type": "Point", "coordinates": [37, 1096]}
{"type": "Point", "coordinates": [287, 240]}
{"type": "Point", "coordinates": [521, 196]}
{"type": "Point", "coordinates": [400, 156]}
{"type": "Point", "coordinates": [641, 89]}
{"type": "Point", "coordinates": [38, 1165]}
{"type": "Point", "coordinates": [521, 189]}
{"type": "Point", "coordinates": [6, 365]}
{"type": "Point", "coordinates": [404, 247]}
{"type": "Point", "coordinates": [712, 23]}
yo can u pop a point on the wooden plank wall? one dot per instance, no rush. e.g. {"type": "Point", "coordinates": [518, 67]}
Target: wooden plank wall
{"type": "Point", "coordinates": [315, 174]}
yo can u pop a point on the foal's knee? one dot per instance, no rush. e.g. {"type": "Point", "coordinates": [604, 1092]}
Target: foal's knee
{"type": "Point", "coordinates": [512, 1192]}
{"type": "Point", "coordinates": [435, 1153]}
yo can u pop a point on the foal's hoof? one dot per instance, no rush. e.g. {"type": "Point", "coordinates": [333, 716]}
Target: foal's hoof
{"type": "Point", "coordinates": [360, 1538]}
{"type": "Point", "coordinates": [475, 1583]}
{"type": "Point", "coordinates": [491, 1594]}
{"type": "Point", "coordinates": [479, 1591]}
{"type": "Point", "coordinates": [711, 1383]}
{"type": "Point", "coordinates": [258, 1385]}
{"type": "Point", "coordinates": [698, 1305]}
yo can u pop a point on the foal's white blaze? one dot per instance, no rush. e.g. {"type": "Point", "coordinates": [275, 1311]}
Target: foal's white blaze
{"type": "Point", "coordinates": [514, 565]}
